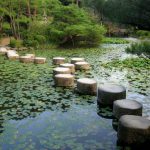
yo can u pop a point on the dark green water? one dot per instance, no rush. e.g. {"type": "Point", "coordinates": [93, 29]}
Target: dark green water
{"type": "Point", "coordinates": [35, 115]}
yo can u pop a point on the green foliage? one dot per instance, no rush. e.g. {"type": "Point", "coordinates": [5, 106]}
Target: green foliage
{"type": "Point", "coordinates": [75, 28]}
{"type": "Point", "coordinates": [143, 34]}
{"type": "Point", "coordinates": [140, 48]}
{"type": "Point", "coordinates": [6, 28]}
{"type": "Point", "coordinates": [15, 43]}
{"type": "Point", "coordinates": [36, 34]}
{"type": "Point", "coordinates": [136, 72]}
{"type": "Point", "coordinates": [109, 40]}
{"type": "Point", "coordinates": [130, 12]}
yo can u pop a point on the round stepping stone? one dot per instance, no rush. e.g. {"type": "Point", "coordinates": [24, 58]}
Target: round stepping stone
{"type": "Point", "coordinates": [70, 66]}
{"type": "Point", "coordinates": [11, 52]}
{"type": "Point", "coordinates": [82, 66]}
{"type": "Point", "coordinates": [133, 129]}
{"type": "Point", "coordinates": [58, 60]}
{"type": "Point", "coordinates": [87, 86]}
{"type": "Point", "coordinates": [25, 59]}
{"type": "Point", "coordinates": [12, 55]}
{"type": "Point", "coordinates": [61, 70]}
{"type": "Point", "coordinates": [126, 107]}
{"type": "Point", "coordinates": [3, 50]}
{"type": "Point", "coordinates": [39, 60]}
{"type": "Point", "coordinates": [31, 55]}
{"type": "Point", "coordinates": [108, 93]}
{"type": "Point", "coordinates": [75, 60]}
{"type": "Point", "coordinates": [64, 80]}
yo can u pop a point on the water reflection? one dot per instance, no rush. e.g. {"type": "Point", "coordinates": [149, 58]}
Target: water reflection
{"type": "Point", "coordinates": [1, 124]}
{"type": "Point", "coordinates": [40, 116]}
{"type": "Point", "coordinates": [105, 111]}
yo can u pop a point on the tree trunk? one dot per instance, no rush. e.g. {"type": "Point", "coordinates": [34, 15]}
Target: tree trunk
{"type": "Point", "coordinates": [28, 9]}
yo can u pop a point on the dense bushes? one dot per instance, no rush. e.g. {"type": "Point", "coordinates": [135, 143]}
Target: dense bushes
{"type": "Point", "coordinates": [15, 43]}
{"type": "Point", "coordinates": [75, 28]}
{"type": "Point", "coordinates": [143, 34]}
{"type": "Point", "coordinates": [36, 34]}
{"type": "Point", "coordinates": [140, 48]}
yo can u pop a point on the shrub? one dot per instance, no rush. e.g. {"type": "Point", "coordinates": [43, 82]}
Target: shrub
{"type": "Point", "coordinates": [75, 28]}
{"type": "Point", "coordinates": [140, 48]}
{"type": "Point", "coordinates": [143, 33]}
{"type": "Point", "coordinates": [36, 34]}
{"type": "Point", "coordinates": [15, 43]}
{"type": "Point", "coordinates": [6, 28]}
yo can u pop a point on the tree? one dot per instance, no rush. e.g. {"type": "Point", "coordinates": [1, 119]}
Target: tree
{"type": "Point", "coordinates": [130, 12]}
{"type": "Point", "coordinates": [75, 28]}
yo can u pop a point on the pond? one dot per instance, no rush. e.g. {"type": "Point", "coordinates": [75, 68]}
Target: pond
{"type": "Point", "coordinates": [36, 115]}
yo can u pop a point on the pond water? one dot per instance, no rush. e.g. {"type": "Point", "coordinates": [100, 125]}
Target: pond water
{"type": "Point", "coordinates": [35, 115]}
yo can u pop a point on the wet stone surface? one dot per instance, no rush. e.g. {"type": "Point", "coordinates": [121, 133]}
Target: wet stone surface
{"type": "Point", "coordinates": [30, 104]}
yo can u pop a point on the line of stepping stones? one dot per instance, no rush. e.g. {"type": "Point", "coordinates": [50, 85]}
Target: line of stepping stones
{"type": "Point", "coordinates": [28, 58]}
{"type": "Point", "coordinates": [132, 127]}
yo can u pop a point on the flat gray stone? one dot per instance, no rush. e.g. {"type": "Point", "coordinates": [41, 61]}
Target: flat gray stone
{"type": "Point", "coordinates": [126, 107]}
{"type": "Point", "coordinates": [133, 129]}
{"type": "Point", "coordinates": [87, 86]}
{"type": "Point", "coordinates": [108, 93]}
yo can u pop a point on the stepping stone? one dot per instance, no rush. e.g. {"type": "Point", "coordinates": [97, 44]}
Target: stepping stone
{"type": "Point", "coordinates": [11, 52]}
{"type": "Point", "coordinates": [12, 55]}
{"type": "Point", "coordinates": [31, 55]}
{"type": "Point", "coordinates": [75, 60]}
{"type": "Point", "coordinates": [3, 50]}
{"type": "Point", "coordinates": [70, 66]}
{"type": "Point", "coordinates": [58, 60]}
{"type": "Point", "coordinates": [64, 80]}
{"type": "Point", "coordinates": [133, 129]}
{"type": "Point", "coordinates": [82, 66]}
{"type": "Point", "coordinates": [61, 70]}
{"type": "Point", "coordinates": [87, 86]}
{"type": "Point", "coordinates": [39, 60]}
{"type": "Point", "coordinates": [126, 107]}
{"type": "Point", "coordinates": [25, 59]}
{"type": "Point", "coordinates": [108, 93]}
